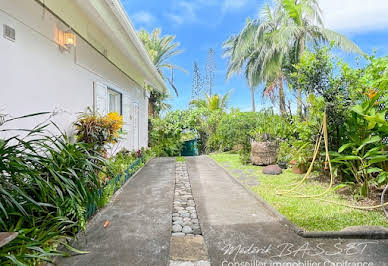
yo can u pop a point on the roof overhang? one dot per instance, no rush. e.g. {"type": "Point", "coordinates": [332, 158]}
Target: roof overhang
{"type": "Point", "coordinates": [111, 18]}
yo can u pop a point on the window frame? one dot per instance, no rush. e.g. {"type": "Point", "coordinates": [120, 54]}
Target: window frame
{"type": "Point", "coordinates": [112, 91]}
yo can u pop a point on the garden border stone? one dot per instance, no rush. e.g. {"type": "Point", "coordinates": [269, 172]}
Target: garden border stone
{"type": "Point", "coordinates": [359, 234]}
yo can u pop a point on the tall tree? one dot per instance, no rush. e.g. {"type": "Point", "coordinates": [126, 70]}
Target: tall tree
{"type": "Point", "coordinates": [238, 49]}
{"type": "Point", "coordinates": [264, 47]}
{"type": "Point", "coordinates": [161, 49]}
{"type": "Point", "coordinates": [305, 16]}
{"type": "Point", "coordinates": [197, 86]}
{"type": "Point", "coordinates": [210, 69]}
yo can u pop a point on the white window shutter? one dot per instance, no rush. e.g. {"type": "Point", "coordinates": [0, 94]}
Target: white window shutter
{"type": "Point", "coordinates": [100, 98]}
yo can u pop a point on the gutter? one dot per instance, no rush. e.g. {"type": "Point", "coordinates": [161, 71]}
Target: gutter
{"type": "Point", "coordinates": [125, 22]}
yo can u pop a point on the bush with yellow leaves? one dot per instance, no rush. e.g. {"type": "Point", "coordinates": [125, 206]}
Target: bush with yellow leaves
{"type": "Point", "coordinates": [98, 130]}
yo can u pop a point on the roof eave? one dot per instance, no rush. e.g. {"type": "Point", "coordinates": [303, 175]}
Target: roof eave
{"type": "Point", "coordinates": [127, 25]}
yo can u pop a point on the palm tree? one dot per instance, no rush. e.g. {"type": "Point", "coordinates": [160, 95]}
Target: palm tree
{"type": "Point", "coordinates": [238, 49]}
{"type": "Point", "coordinates": [306, 17]}
{"type": "Point", "coordinates": [212, 103]}
{"type": "Point", "coordinates": [255, 51]}
{"type": "Point", "coordinates": [264, 47]}
{"type": "Point", "coordinates": [161, 49]}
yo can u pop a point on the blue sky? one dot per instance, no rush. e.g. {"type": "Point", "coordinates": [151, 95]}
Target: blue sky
{"type": "Point", "coordinates": [203, 24]}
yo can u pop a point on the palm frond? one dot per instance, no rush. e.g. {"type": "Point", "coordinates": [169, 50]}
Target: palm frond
{"type": "Point", "coordinates": [341, 41]}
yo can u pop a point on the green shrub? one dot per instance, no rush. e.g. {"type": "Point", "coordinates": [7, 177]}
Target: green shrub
{"type": "Point", "coordinates": [97, 130]}
{"type": "Point", "coordinates": [49, 186]}
{"type": "Point", "coordinates": [45, 182]}
{"type": "Point", "coordinates": [233, 129]}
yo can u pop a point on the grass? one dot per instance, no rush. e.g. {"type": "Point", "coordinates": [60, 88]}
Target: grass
{"type": "Point", "coordinates": [309, 214]}
{"type": "Point", "coordinates": [180, 159]}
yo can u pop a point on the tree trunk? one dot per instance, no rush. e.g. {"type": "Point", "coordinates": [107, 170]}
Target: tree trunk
{"type": "Point", "coordinates": [300, 105]}
{"type": "Point", "coordinates": [253, 100]}
{"type": "Point", "coordinates": [282, 98]}
{"type": "Point", "coordinates": [299, 97]}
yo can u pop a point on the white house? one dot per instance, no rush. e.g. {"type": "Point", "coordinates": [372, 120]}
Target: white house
{"type": "Point", "coordinates": [68, 55]}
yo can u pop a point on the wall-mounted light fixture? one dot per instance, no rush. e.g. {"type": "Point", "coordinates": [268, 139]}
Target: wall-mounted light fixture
{"type": "Point", "coordinates": [65, 39]}
{"type": "Point", "coordinates": [69, 39]}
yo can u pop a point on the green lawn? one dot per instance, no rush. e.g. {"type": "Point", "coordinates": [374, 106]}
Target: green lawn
{"type": "Point", "coordinates": [309, 214]}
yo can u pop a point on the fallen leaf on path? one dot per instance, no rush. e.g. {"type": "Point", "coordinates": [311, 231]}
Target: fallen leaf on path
{"type": "Point", "coordinates": [107, 222]}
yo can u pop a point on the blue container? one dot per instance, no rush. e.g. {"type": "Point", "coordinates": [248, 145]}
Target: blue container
{"type": "Point", "coordinates": [190, 148]}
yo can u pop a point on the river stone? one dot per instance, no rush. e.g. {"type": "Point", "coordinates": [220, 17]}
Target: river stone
{"type": "Point", "coordinates": [189, 223]}
{"type": "Point", "coordinates": [197, 231]}
{"type": "Point", "coordinates": [185, 215]}
{"type": "Point", "coordinates": [177, 219]}
{"type": "Point", "coordinates": [178, 222]}
{"type": "Point", "coordinates": [195, 226]}
{"type": "Point", "coordinates": [187, 229]}
{"type": "Point", "coordinates": [193, 215]}
{"type": "Point", "coordinates": [177, 228]}
{"type": "Point", "coordinates": [272, 170]}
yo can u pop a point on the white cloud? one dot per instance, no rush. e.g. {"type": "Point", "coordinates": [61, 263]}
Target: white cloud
{"type": "Point", "coordinates": [177, 19]}
{"type": "Point", "coordinates": [355, 16]}
{"type": "Point", "coordinates": [184, 12]}
{"type": "Point", "coordinates": [143, 18]}
{"type": "Point", "coordinates": [231, 5]}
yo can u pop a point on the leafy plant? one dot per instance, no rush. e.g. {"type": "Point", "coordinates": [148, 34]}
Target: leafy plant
{"type": "Point", "coordinates": [271, 127]}
{"type": "Point", "coordinates": [97, 130]}
{"type": "Point", "coordinates": [45, 181]}
{"type": "Point", "coordinates": [362, 155]}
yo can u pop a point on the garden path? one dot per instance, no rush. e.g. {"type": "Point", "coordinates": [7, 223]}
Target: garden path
{"type": "Point", "coordinates": [239, 227]}
{"type": "Point", "coordinates": [140, 222]}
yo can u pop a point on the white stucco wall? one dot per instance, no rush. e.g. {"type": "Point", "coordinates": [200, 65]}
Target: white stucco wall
{"type": "Point", "coordinates": [37, 76]}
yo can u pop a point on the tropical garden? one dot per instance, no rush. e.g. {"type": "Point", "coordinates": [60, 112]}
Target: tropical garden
{"type": "Point", "coordinates": [332, 146]}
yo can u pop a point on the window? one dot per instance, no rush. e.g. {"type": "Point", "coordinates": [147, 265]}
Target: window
{"type": "Point", "coordinates": [115, 101]}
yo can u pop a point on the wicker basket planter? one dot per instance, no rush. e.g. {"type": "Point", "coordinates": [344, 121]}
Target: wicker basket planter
{"type": "Point", "coordinates": [264, 153]}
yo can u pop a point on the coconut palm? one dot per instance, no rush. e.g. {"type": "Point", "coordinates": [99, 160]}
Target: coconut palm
{"type": "Point", "coordinates": [305, 16]}
{"type": "Point", "coordinates": [161, 49]}
{"type": "Point", "coordinates": [264, 47]}
{"type": "Point", "coordinates": [253, 51]}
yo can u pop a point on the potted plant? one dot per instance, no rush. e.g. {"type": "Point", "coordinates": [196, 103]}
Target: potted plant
{"type": "Point", "coordinates": [301, 154]}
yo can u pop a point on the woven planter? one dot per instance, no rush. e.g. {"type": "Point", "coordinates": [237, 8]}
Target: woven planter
{"type": "Point", "coordinates": [264, 153]}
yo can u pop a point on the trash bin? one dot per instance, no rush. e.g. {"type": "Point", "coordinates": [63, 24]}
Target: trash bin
{"type": "Point", "coordinates": [190, 148]}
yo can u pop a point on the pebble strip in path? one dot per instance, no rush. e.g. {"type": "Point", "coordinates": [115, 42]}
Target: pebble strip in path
{"type": "Point", "coordinates": [184, 216]}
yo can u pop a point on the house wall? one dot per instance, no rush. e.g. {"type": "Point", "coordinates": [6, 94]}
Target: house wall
{"type": "Point", "coordinates": [38, 76]}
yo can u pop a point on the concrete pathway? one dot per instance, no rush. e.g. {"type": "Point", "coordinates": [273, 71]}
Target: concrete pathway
{"type": "Point", "coordinates": [238, 229]}
{"type": "Point", "coordinates": [140, 222]}
{"type": "Point", "coordinates": [241, 230]}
